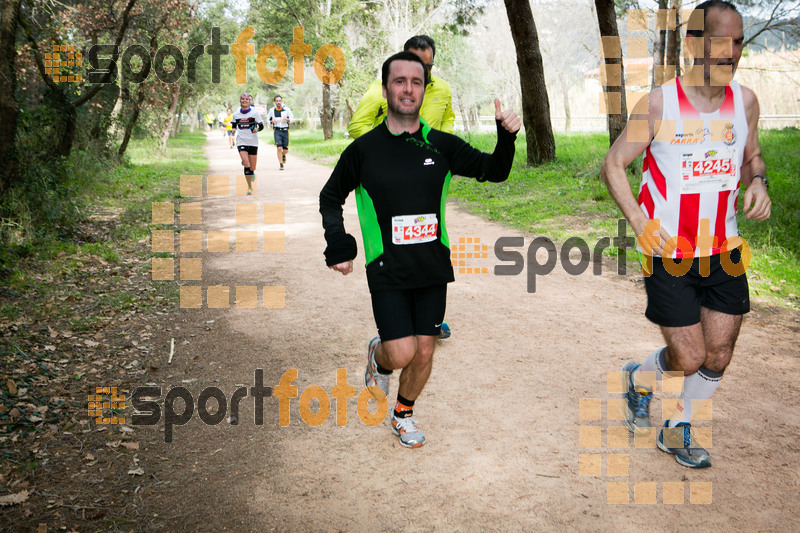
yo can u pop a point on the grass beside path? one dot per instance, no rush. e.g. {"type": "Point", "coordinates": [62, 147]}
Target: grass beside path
{"type": "Point", "coordinates": [566, 198]}
{"type": "Point", "coordinates": [105, 248]}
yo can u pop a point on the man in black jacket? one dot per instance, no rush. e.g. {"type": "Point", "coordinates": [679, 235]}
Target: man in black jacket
{"type": "Point", "coordinates": [401, 172]}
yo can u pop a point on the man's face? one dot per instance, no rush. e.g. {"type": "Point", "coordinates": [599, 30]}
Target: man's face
{"type": "Point", "coordinates": [723, 40]}
{"type": "Point", "coordinates": [425, 55]}
{"type": "Point", "coordinates": [405, 87]}
{"type": "Point", "coordinates": [245, 101]}
{"type": "Point", "coordinates": [278, 102]}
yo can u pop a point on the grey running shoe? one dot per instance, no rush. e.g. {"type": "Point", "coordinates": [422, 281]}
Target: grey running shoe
{"type": "Point", "coordinates": [373, 378]}
{"type": "Point", "coordinates": [406, 428]}
{"type": "Point", "coordinates": [680, 441]}
{"type": "Point", "coordinates": [636, 409]}
{"type": "Point", "coordinates": [281, 166]}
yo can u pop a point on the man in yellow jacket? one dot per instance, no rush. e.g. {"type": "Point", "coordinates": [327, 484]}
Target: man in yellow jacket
{"type": "Point", "coordinates": [437, 107]}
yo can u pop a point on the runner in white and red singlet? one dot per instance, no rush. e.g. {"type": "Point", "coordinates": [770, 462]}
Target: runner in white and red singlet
{"type": "Point", "coordinates": [700, 139]}
{"type": "Point", "coordinates": [707, 166]}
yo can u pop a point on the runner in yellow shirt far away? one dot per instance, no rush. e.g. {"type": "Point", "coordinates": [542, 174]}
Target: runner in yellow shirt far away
{"type": "Point", "coordinates": [228, 121]}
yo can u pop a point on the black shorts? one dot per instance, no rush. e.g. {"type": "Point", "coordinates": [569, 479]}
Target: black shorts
{"type": "Point", "coordinates": [252, 150]}
{"type": "Point", "coordinates": [675, 301]}
{"type": "Point", "coordinates": [405, 312]}
{"type": "Point", "coordinates": [282, 137]}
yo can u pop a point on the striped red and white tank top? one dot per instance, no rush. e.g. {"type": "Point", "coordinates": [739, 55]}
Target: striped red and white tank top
{"type": "Point", "coordinates": [692, 170]}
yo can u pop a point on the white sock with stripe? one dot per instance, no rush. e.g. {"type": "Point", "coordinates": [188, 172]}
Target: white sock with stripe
{"type": "Point", "coordinates": [654, 366]}
{"type": "Point", "coordinates": [697, 389]}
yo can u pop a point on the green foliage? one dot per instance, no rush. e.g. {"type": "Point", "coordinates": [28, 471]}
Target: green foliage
{"type": "Point", "coordinates": [310, 145]}
{"type": "Point", "coordinates": [550, 199]}
{"type": "Point", "coordinates": [46, 200]}
{"type": "Point", "coordinates": [45, 216]}
{"type": "Point", "coordinates": [464, 14]}
{"type": "Point", "coordinates": [781, 151]}
{"type": "Point", "coordinates": [776, 241]}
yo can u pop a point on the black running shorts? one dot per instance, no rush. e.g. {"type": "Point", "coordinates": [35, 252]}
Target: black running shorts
{"type": "Point", "coordinates": [282, 137]}
{"type": "Point", "coordinates": [405, 312]}
{"type": "Point", "coordinates": [252, 150]}
{"type": "Point", "coordinates": [675, 301]}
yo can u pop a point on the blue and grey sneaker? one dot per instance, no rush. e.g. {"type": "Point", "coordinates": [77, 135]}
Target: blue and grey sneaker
{"type": "Point", "coordinates": [679, 441]}
{"type": "Point", "coordinates": [373, 378]}
{"type": "Point", "coordinates": [406, 428]}
{"type": "Point", "coordinates": [637, 408]}
{"type": "Point", "coordinates": [444, 332]}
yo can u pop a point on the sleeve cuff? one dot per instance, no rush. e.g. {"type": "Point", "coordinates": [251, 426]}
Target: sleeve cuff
{"type": "Point", "coordinates": [341, 249]}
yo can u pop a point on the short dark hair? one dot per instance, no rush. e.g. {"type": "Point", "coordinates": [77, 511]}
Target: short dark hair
{"type": "Point", "coordinates": [277, 96]}
{"type": "Point", "coordinates": [402, 56]}
{"type": "Point", "coordinates": [702, 10]}
{"type": "Point", "coordinates": [420, 42]}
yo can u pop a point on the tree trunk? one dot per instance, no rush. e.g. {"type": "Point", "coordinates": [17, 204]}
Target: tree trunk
{"type": "Point", "coordinates": [69, 117]}
{"type": "Point", "coordinates": [175, 92]}
{"type": "Point", "coordinates": [176, 127]}
{"type": "Point", "coordinates": [607, 22]}
{"type": "Point", "coordinates": [137, 104]}
{"type": "Point", "coordinates": [463, 111]}
{"type": "Point", "coordinates": [9, 110]}
{"type": "Point", "coordinates": [474, 119]}
{"type": "Point", "coordinates": [349, 110]}
{"type": "Point", "coordinates": [326, 115]}
{"type": "Point", "coordinates": [193, 116]}
{"type": "Point", "coordinates": [659, 45]}
{"type": "Point", "coordinates": [567, 111]}
{"type": "Point", "coordinates": [535, 103]}
{"type": "Point", "coordinates": [674, 40]}
{"type": "Point", "coordinates": [113, 127]}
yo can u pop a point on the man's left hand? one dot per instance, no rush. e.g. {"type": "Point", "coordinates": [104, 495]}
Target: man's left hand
{"type": "Point", "coordinates": [508, 119]}
{"type": "Point", "coordinates": [757, 204]}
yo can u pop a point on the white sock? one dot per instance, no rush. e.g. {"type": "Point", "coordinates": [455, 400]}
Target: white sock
{"type": "Point", "coordinates": [655, 366]}
{"type": "Point", "coordinates": [697, 389]}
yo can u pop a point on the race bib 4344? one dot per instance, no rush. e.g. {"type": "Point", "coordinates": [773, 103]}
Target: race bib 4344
{"type": "Point", "coordinates": [414, 229]}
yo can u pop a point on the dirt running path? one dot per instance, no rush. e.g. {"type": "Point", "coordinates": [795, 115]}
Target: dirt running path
{"type": "Point", "coordinates": [501, 410]}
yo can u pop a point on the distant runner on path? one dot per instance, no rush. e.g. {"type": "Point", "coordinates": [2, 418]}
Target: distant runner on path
{"type": "Point", "coordinates": [228, 123]}
{"type": "Point", "coordinates": [401, 172]}
{"type": "Point", "coordinates": [248, 122]}
{"type": "Point", "coordinates": [280, 117]}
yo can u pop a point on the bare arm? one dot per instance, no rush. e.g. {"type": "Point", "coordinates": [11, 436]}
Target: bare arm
{"type": "Point", "coordinates": [641, 129]}
{"type": "Point", "coordinates": [757, 204]}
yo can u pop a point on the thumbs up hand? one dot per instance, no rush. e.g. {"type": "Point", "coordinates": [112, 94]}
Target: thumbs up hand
{"type": "Point", "coordinates": [508, 119]}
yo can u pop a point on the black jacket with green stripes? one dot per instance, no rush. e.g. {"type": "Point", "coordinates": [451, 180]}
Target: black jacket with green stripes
{"type": "Point", "coordinates": [396, 175]}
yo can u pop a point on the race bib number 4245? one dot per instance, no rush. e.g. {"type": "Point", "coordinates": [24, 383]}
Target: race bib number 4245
{"type": "Point", "coordinates": [711, 171]}
{"type": "Point", "coordinates": [414, 229]}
